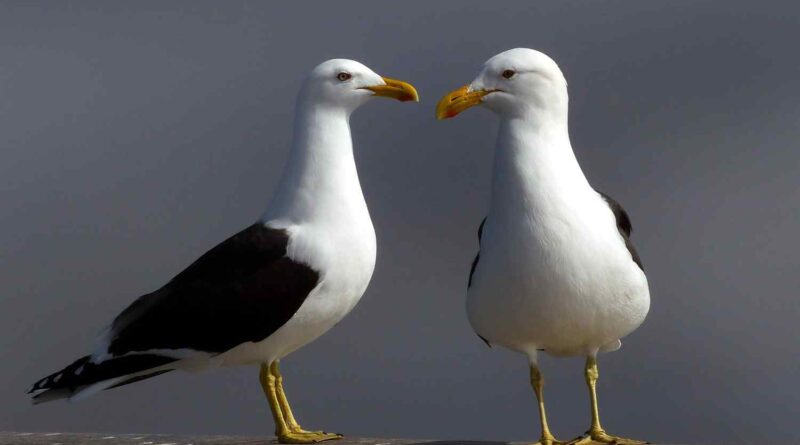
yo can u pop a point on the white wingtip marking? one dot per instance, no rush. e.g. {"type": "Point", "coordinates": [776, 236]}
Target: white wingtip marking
{"type": "Point", "coordinates": [36, 392]}
{"type": "Point", "coordinates": [94, 389]}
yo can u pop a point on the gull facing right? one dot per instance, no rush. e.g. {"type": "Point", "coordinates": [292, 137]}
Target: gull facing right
{"type": "Point", "coordinates": [273, 287]}
{"type": "Point", "coordinates": [556, 270]}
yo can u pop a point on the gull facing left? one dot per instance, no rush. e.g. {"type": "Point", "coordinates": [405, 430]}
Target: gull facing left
{"type": "Point", "coordinates": [556, 270]}
{"type": "Point", "coordinates": [271, 288]}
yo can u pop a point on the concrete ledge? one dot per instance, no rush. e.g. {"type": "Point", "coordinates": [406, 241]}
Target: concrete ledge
{"type": "Point", "coordinates": [16, 438]}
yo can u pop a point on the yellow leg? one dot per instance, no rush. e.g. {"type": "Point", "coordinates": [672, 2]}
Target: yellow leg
{"type": "Point", "coordinates": [286, 410]}
{"type": "Point", "coordinates": [268, 385]}
{"type": "Point", "coordinates": [288, 416]}
{"type": "Point", "coordinates": [537, 382]}
{"type": "Point", "coordinates": [286, 428]}
{"type": "Point", "coordinates": [596, 434]}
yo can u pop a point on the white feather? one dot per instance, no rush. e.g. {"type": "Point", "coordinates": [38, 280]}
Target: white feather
{"type": "Point", "coordinates": [554, 272]}
{"type": "Point", "coordinates": [320, 203]}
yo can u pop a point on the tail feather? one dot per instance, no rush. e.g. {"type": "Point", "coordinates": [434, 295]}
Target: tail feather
{"type": "Point", "coordinates": [84, 378]}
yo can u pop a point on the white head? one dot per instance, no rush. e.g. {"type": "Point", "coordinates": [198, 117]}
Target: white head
{"type": "Point", "coordinates": [346, 84]}
{"type": "Point", "coordinates": [517, 83]}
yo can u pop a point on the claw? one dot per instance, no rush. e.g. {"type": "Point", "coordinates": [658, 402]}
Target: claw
{"type": "Point", "coordinates": [307, 437]}
{"type": "Point", "coordinates": [603, 438]}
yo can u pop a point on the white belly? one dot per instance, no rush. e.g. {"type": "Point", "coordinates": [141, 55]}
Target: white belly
{"type": "Point", "coordinates": [347, 259]}
{"type": "Point", "coordinates": [567, 287]}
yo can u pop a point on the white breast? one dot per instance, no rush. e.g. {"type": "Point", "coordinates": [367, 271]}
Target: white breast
{"type": "Point", "coordinates": [560, 285]}
{"type": "Point", "coordinates": [345, 257]}
{"type": "Point", "coordinates": [344, 252]}
{"type": "Point", "coordinates": [345, 260]}
{"type": "Point", "coordinates": [554, 272]}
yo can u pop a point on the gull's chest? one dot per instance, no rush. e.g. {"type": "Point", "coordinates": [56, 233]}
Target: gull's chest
{"type": "Point", "coordinates": [551, 258]}
{"type": "Point", "coordinates": [350, 258]}
{"type": "Point", "coordinates": [540, 277]}
{"type": "Point", "coordinates": [343, 252]}
{"type": "Point", "coordinates": [547, 252]}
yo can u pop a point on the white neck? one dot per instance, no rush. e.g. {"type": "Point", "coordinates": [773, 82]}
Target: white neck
{"type": "Point", "coordinates": [320, 181]}
{"type": "Point", "coordinates": [535, 169]}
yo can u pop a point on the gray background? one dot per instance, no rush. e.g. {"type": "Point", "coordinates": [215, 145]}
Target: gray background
{"type": "Point", "coordinates": [133, 138]}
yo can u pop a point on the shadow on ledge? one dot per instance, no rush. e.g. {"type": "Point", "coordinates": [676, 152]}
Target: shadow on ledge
{"type": "Point", "coordinates": [459, 442]}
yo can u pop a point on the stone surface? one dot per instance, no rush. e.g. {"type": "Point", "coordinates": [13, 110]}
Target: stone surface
{"type": "Point", "coordinates": [16, 438]}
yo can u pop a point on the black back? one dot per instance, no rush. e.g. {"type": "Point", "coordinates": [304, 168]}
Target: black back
{"type": "Point", "coordinates": [240, 291]}
{"type": "Point", "coordinates": [472, 270]}
{"type": "Point", "coordinates": [477, 255]}
{"type": "Point", "coordinates": [624, 226]}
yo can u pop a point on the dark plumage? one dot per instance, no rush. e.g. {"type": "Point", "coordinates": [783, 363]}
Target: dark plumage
{"type": "Point", "coordinates": [477, 255]}
{"type": "Point", "coordinates": [472, 270]}
{"type": "Point", "coordinates": [242, 290]}
{"type": "Point", "coordinates": [83, 373]}
{"type": "Point", "coordinates": [624, 226]}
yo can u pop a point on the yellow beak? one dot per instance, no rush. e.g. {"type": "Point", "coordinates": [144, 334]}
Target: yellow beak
{"type": "Point", "coordinates": [457, 101]}
{"type": "Point", "coordinates": [396, 89]}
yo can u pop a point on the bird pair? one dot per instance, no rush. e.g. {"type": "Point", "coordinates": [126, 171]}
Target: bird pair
{"type": "Point", "coordinates": [555, 272]}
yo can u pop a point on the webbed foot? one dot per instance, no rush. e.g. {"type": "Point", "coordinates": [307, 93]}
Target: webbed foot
{"type": "Point", "coordinates": [600, 437]}
{"type": "Point", "coordinates": [304, 437]}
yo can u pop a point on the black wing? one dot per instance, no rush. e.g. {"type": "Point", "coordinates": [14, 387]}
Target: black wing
{"type": "Point", "coordinates": [240, 291]}
{"type": "Point", "coordinates": [477, 255]}
{"type": "Point", "coordinates": [474, 265]}
{"type": "Point", "coordinates": [624, 226]}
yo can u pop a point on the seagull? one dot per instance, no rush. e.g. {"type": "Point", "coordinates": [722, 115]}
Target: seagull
{"type": "Point", "coordinates": [556, 270]}
{"type": "Point", "coordinates": [271, 288]}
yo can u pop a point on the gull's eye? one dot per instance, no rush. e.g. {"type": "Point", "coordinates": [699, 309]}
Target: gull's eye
{"type": "Point", "coordinates": [508, 74]}
{"type": "Point", "coordinates": [344, 76]}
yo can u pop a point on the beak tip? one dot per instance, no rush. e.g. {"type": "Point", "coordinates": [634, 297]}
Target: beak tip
{"type": "Point", "coordinates": [409, 98]}
{"type": "Point", "coordinates": [445, 113]}
{"type": "Point", "coordinates": [452, 104]}
{"type": "Point", "coordinates": [396, 89]}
